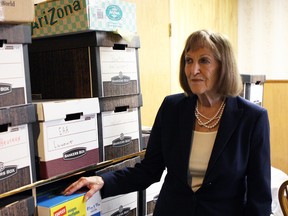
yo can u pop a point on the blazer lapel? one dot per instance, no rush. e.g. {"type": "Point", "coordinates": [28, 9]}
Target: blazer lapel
{"type": "Point", "coordinates": [230, 119]}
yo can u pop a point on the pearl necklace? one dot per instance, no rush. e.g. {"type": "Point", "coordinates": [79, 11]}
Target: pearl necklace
{"type": "Point", "coordinates": [215, 118]}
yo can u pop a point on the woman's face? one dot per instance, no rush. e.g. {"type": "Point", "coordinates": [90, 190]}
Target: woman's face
{"type": "Point", "coordinates": [201, 69]}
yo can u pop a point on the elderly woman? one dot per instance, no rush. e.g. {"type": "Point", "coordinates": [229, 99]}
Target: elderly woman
{"type": "Point", "coordinates": [214, 144]}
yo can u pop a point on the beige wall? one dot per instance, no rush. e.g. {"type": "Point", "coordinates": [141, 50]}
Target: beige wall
{"type": "Point", "coordinates": [154, 54]}
{"type": "Point", "coordinates": [275, 101]}
{"type": "Point", "coordinates": [191, 15]}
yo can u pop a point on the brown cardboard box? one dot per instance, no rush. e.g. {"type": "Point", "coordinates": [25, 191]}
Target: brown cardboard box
{"type": "Point", "coordinates": [53, 18]}
{"type": "Point", "coordinates": [16, 11]}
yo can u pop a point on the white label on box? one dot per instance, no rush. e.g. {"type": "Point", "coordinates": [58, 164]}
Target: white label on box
{"type": "Point", "coordinates": [14, 146]}
{"type": "Point", "coordinates": [118, 63]}
{"type": "Point", "coordinates": [93, 205]}
{"type": "Point", "coordinates": [59, 136]}
{"type": "Point", "coordinates": [118, 124]}
{"type": "Point", "coordinates": [122, 203]}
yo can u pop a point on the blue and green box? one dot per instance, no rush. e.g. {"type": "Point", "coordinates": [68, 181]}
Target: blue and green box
{"type": "Point", "coordinates": [70, 16]}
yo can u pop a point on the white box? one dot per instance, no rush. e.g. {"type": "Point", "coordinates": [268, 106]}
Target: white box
{"type": "Point", "coordinates": [119, 71]}
{"type": "Point", "coordinates": [16, 169]}
{"type": "Point", "coordinates": [66, 143]}
{"type": "Point", "coordinates": [12, 75]}
{"type": "Point", "coordinates": [120, 131]}
{"type": "Point", "coordinates": [120, 205]}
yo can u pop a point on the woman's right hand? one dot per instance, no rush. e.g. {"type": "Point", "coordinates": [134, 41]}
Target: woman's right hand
{"type": "Point", "coordinates": [94, 183]}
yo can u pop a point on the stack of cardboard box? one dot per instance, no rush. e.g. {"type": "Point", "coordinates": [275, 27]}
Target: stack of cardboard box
{"type": "Point", "coordinates": [17, 112]}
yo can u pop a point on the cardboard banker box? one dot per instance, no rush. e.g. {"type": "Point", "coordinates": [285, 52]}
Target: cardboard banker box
{"type": "Point", "coordinates": [15, 154]}
{"type": "Point", "coordinates": [68, 16]}
{"type": "Point", "coordinates": [68, 135]}
{"type": "Point", "coordinates": [12, 75]}
{"type": "Point", "coordinates": [16, 11]}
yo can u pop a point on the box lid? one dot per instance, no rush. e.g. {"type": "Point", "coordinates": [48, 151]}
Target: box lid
{"type": "Point", "coordinates": [247, 78]}
{"type": "Point", "coordinates": [122, 102]}
{"type": "Point", "coordinates": [17, 115]}
{"type": "Point", "coordinates": [15, 34]}
{"type": "Point", "coordinates": [59, 109]}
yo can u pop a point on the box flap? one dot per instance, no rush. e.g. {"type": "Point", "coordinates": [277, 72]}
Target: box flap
{"type": "Point", "coordinates": [52, 110]}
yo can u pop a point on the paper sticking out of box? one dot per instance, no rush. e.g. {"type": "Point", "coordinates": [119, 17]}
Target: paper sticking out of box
{"type": "Point", "coordinates": [67, 16]}
{"type": "Point", "coordinates": [16, 11]}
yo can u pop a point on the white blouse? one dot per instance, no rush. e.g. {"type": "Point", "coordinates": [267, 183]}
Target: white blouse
{"type": "Point", "coordinates": [202, 145]}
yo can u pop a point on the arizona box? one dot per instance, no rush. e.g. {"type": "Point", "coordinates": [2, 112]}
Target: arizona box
{"type": "Point", "coordinates": [68, 16]}
{"type": "Point", "coordinates": [16, 11]}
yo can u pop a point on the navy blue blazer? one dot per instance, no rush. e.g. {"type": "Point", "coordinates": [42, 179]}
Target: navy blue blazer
{"type": "Point", "coordinates": [237, 180]}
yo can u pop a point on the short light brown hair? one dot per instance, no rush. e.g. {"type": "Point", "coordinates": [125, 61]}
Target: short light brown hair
{"type": "Point", "coordinates": [229, 80]}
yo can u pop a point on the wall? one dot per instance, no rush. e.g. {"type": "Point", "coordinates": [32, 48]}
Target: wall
{"type": "Point", "coordinates": [191, 15]}
{"type": "Point", "coordinates": [154, 54]}
{"type": "Point", "coordinates": [263, 49]}
{"type": "Point", "coordinates": [262, 38]}
{"type": "Point", "coordinates": [275, 100]}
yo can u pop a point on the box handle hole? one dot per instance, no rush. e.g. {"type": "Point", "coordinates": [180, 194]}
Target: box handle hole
{"type": "Point", "coordinates": [4, 128]}
{"type": "Point", "coordinates": [119, 46]}
{"type": "Point", "coordinates": [3, 42]}
{"type": "Point", "coordinates": [73, 116]}
{"type": "Point", "coordinates": [121, 109]}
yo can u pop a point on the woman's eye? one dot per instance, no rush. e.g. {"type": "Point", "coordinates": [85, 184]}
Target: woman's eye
{"type": "Point", "coordinates": [188, 60]}
{"type": "Point", "coordinates": [204, 60]}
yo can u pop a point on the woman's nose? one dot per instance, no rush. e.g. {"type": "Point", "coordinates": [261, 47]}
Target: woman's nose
{"type": "Point", "coordinates": [195, 69]}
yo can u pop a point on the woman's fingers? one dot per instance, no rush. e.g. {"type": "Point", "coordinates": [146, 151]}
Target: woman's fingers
{"type": "Point", "coordinates": [94, 183]}
{"type": "Point", "coordinates": [74, 186]}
